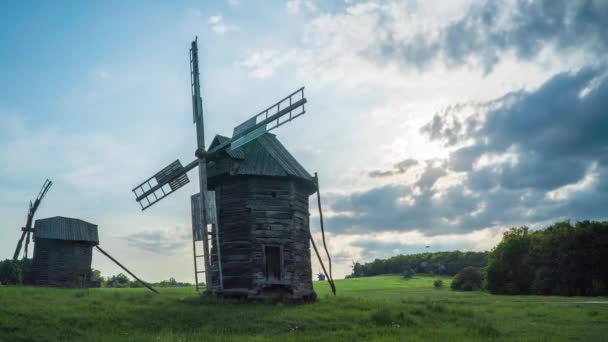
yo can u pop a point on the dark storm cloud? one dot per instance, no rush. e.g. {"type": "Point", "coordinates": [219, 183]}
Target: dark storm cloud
{"type": "Point", "coordinates": [483, 34]}
{"type": "Point", "coordinates": [157, 241]}
{"type": "Point", "coordinates": [431, 175]}
{"type": "Point", "coordinates": [557, 132]}
{"type": "Point", "coordinates": [557, 136]}
{"type": "Point", "coordinates": [400, 208]}
{"type": "Point", "coordinates": [399, 168]}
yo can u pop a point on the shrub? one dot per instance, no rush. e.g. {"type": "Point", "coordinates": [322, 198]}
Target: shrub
{"type": "Point", "coordinates": [408, 272]}
{"type": "Point", "coordinates": [469, 279]}
{"type": "Point", "coordinates": [438, 283]}
{"type": "Point", "coordinates": [118, 281]}
{"type": "Point", "coordinates": [10, 272]}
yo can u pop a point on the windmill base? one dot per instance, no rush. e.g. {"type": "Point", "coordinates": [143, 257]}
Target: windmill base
{"type": "Point", "coordinates": [275, 293]}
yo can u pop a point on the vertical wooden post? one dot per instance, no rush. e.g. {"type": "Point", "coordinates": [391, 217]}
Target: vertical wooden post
{"type": "Point", "coordinates": [202, 165]}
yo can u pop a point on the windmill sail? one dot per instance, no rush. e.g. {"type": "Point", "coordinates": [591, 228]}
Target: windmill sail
{"type": "Point", "coordinates": [162, 184]}
{"type": "Point", "coordinates": [272, 117]}
{"type": "Point", "coordinates": [27, 229]}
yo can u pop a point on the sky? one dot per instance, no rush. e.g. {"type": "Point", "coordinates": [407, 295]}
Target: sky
{"type": "Point", "coordinates": [430, 123]}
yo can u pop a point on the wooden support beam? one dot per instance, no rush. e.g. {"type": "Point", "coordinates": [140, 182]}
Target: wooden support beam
{"type": "Point", "coordinates": [124, 268]}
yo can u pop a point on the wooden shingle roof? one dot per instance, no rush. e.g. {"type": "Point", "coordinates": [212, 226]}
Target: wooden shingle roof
{"type": "Point", "coordinates": [65, 228]}
{"type": "Point", "coordinates": [265, 156]}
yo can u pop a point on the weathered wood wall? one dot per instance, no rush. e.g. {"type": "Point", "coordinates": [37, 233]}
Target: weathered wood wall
{"type": "Point", "coordinates": [254, 212]}
{"type": "Point", "coordinates": [59, 263]}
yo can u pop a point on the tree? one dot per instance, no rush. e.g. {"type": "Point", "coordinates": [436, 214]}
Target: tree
{"type": "Point", "coordinates": [562, 259]}
{"type": "Point", "coordinates": [469, 279]}
{"type": "Point", "coordinates": [10, 272]}
{"type": "Point", "coordinates": [407, 272]}
{"type": "Point", "coordinates": [118, 281]}
{"type": "Point", "coordinates": [448, 263]}
{"type": "Point", "coordinates": [358, 269]}
{"type": "Point", "coordinates": [509, 267]}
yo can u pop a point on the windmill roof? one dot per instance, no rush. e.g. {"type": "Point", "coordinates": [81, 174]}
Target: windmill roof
{"type": "Point", "coordinates": [65, 228]}
{"type": "Point", "coordinates": [236, 154]}
{"type": "Point", "coordinates": [265, 156]}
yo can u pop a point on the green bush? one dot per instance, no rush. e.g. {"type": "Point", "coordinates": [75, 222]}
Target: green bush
{"type": "Point", "coordinates": [118, 281]}
{"type": "Point", "coordinates": [469, 279]}
{"type": "Point", "coordinates": [10, 272]}
{"type": "Point", "coordinates": [438, 283]}
{"type": "Point", "coordinates": [408, 272]}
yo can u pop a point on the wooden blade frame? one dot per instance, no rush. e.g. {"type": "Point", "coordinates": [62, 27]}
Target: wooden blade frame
{"type": "Point", "coordinates": [27, 230]}
{"type": "Point", "coordinates": [153, 189]}
{"type": "Point", "coordinates": [267, 120]}
{"type": "Point", "coordinates": [162, 184]}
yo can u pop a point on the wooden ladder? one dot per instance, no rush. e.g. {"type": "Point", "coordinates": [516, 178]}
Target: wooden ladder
{"type": "Point", "coordinates": [197, 236]}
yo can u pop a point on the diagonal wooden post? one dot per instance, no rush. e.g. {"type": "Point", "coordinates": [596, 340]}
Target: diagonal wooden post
{"type": "Point", "coordinates": [126, 269]}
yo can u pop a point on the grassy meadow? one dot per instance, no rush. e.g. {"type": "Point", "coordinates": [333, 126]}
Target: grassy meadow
{"type": "Point", "coordinates": [366, 309]}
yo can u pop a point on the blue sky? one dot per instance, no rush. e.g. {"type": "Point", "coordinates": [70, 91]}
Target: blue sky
{"type": "Point", "coordinates": [430, 123]}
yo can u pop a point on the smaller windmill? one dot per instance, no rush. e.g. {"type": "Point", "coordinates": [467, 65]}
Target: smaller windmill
{"type": "Point", "coordinates": [27, 229]}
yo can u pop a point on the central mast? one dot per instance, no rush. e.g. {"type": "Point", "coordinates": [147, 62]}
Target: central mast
{"type": "Point", "coordinates": [197, 112]}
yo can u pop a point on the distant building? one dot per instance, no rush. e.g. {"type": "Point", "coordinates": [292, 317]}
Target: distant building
{"type": "Point", "coordinates": [261, 195]}
{"type": "Point", "coordinates": [63, 251]}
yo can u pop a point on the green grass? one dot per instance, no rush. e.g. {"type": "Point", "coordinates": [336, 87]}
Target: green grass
{"type": "Point", "coordinates": [377, 308]}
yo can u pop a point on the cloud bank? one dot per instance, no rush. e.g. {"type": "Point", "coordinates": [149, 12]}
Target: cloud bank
{"type": "Point", "coordinates": [532, 156]}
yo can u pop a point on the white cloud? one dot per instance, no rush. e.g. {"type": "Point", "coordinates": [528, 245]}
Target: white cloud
{"type": "Point", "coordinates": [263, 64]}
{"type": "Point", "coordinates": [218, 25]}
{"type": "Point", "coordinates": [296, 6]}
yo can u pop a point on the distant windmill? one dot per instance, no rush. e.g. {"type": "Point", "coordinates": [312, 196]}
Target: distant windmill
{"type": "Point", "coordinates": [174, 176]}
{"type": "Point", "coordinates": [28, 229]}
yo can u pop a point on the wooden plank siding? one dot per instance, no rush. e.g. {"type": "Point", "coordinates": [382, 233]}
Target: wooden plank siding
{"type": "Point", "coordinates": [60, 263]}
{"type": "Point", "coordinates": [254, 212]}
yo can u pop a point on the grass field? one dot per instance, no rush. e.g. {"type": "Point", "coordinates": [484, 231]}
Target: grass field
{"type": "Point", "coordinates": [376, 308]}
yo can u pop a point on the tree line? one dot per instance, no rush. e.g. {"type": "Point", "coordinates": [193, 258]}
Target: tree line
{"type": "Point", "coordinates": [122, 281]}
{"type": "Point", "coordinates": [446, 263]}
{"type": "Point", "coordinates": [18, 273]}
{"type": "Point", "coordinates": [562, 259]}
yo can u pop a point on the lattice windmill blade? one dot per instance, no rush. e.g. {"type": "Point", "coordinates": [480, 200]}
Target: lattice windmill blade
{"type": "Point", "coordinates": [19, 244]}
{"type": "Point", "coordinates": [45, 188]}
{"type": "Point", "coordinates": [162, 184]}
{"type": "Point", "coordinates": [27, 244]}
{"type": "Point", "coordinates": [278, 114]}
{"type": "Point", "coordinates": [269, 119]}
{"type": "Point", "coordinates": [27, 229]}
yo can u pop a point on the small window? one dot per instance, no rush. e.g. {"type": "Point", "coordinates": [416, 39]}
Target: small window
{"type": "Point", "coordinates": [273, 262]}
{"type": "Point", "coordinates": [273, 194]}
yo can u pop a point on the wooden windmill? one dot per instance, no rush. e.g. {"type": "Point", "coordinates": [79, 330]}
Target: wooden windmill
{"type": "Point", "coordinates": [28, 229]}
{"type": "Point", "coordinates": [174, 176]}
